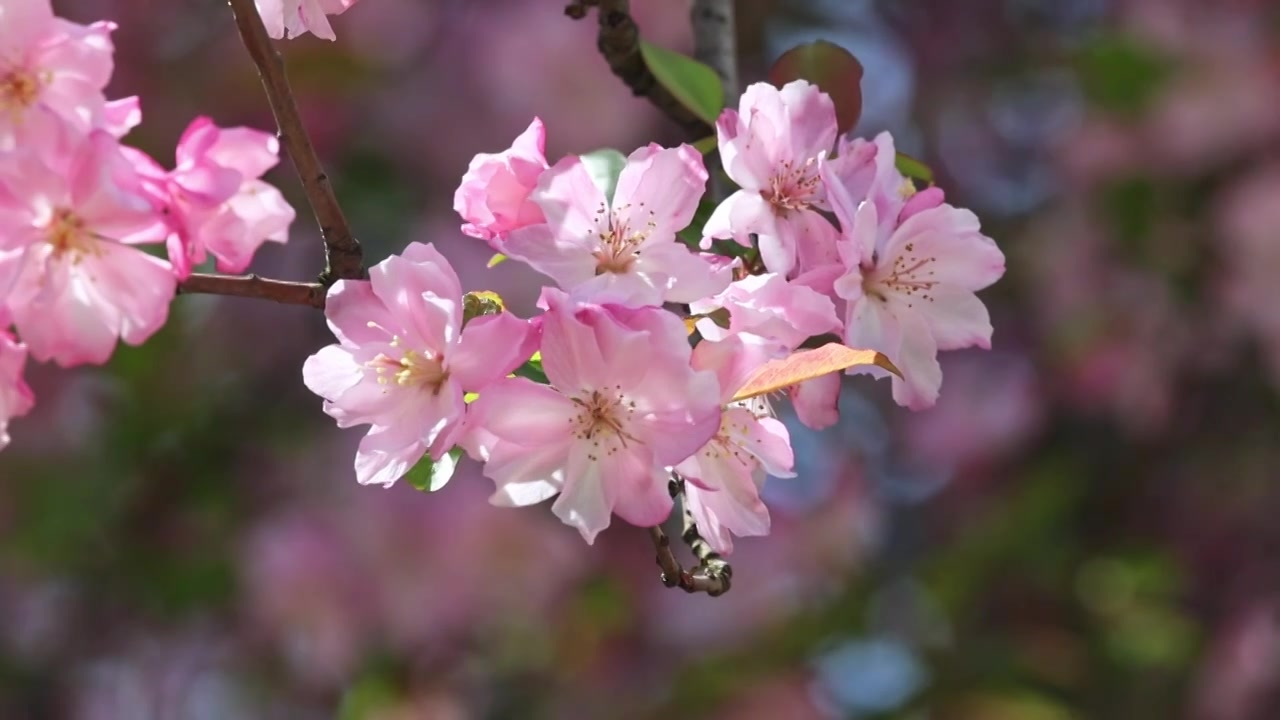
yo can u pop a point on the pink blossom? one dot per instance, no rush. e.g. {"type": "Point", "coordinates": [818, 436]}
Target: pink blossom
{"type": "Point", "coordinates": [494, 195]}
{"type": "Point", "coordinates": [781, 315]}
{"type": "Point", "coordinates": [771, 147]}
{"type": "Point", "coordinates": [16, 398]}
{"type": "Point", "coordinates": [213, 199]}
{"type": "Point", "coordinates": [59, 66]}
{"type": "Point", "coordinates": [723, 479]}
{"type": "Point", "coordinates": [909, 283]}
{"type": "Point", "coordinates": [770, 307]}
{"type": "Point", "coordinates": [291, 18]}
{"type": "Point", "coordinates": [621, 249]}
{"type": "Point", "coordinates": [68, 221]}
{"type": "Point", "coordinates": [623, 405]}
{"type": "Point", "coordinates": [817, 401]}
{"type": "Point", "coordinates": [403, 361]}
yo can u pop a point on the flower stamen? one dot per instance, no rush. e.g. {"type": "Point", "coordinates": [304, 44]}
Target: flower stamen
{"type": "Point", "coordinates": [412, 369]}
{"type": "Point", "coordinates": [619, 246]}
{"type": "Point", "coordinates": [603, 416]}
{"type": "Point", "coordinates": [18, 89]}
{"type": "Point", "coordinates": [67, 234]}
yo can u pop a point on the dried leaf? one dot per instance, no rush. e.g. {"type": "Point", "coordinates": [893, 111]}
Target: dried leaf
{"type": "Point", "coordinates": [804, 365]}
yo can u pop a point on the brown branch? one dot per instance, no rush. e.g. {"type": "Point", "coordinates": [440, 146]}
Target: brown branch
{"type": "Point", "coordinates": [252, 286]}
{"type": "Point", "coordinates": [715, 44]}
{"type": "Point", "coordinates": [715, 41]}
{"type": "Point", "coordinates": [619, 42]}
{"type": "Point", "coordinates": [712, 575]}
{"type": "Point", "coordinates": [713, 570]}
{"type": "Point", "coordinates": [342, 254]}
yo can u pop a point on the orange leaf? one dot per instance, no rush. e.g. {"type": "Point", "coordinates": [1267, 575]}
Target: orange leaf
{"type": "Point", "coordinates": [808, 364]}
{"type": "Point", "coordinates": [832, 68]}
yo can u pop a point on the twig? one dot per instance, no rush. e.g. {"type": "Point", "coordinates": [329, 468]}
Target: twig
{"type": "Point", "coordinates": [619, 42]}
{"type": "Point", "coordinates": [715, 41]}
{"type": "Point", "coordinates": [672, 573]}
{"type": "Point", "coordinates": [252, 286]}
{"type": "Point", "coordinates": [343, 257]}
{"type": "Point", "coordinates": [712, 575]}
{"type": "Point", "coordinates": [713, 570]}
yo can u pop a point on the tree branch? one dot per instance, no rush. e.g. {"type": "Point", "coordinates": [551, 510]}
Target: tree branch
{"type": "Point", "coordinates": [619, 43]}
{"type": "Point", "coordinates": [715, 44]}
{"type": "Point", "coordinates": [715, 41]}
{"type": "Point", "coordinates": [712, 575]}
{"type": "Point", "coordinates": [252, 286]}
{"type": "Point", "coordinates": [343, 257]}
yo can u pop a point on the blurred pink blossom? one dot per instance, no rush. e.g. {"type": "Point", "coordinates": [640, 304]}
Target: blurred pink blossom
{"type": "Point", "coordinates": [51, 64]}
{"type": "Point", "coordinates": [1240, 670]}
{"type": "Point", "coordinates": [70, 216]}
{"type": "Point", "coordinates": [992, 407]}
{"type": "Point", "coordinates": [213, 199]}
{"type": "Point", "coordinates": [1248, 215]}
{"type": "Point", "coordinates": [16, 398]}
{"type": "Point", "coordinates": [292, 18]}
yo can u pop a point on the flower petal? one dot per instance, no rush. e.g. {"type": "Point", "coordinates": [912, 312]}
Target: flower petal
{"type": "Point", "coordinates": [521, 411]}
{"type": "Point", "coordinates": [659, 189]}
{"type": "Point", "coordinates": [574, 206]}
{"type": "Point", "coordinates": [817, 401]}
{"type": "Point", "coordinates": [584, 502]}
{"type": "Point", "coordinates": [490, 348]}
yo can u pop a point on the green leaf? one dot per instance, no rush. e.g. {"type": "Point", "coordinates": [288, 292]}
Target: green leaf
{"type": "Point", "coordinates": [429, 475]}
{"type": "Point", "coordinates": [832, 68]}
{"type": "Point", "coordinates": [497, 259]}
{"type": "Point", "coordinates": [913, 168]}
{"type": "Point", "coordinates": [1120, 74]}
{"type": "Point", "coordinates": [695, 85]}
{"type": "Point", "coordinates": [368, 696]}
{"type": "Point", "coordinates": [604, 166]}
{"type": "Point", "coordinates": [692, 235]}
{"type": "Point", "coordinates": [532, 369]}
{"type": "Point", "coordinates": [707, 144]}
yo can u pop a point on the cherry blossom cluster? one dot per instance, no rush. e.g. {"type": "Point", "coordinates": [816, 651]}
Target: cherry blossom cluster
{"type": "Point", "coordinates": [94, 235]}
{"type": "Point", "coordinates": [630, 376]}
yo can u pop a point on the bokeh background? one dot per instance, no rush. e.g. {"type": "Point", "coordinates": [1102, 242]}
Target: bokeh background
{"type": "Point", "coordinates": [1087, 526]}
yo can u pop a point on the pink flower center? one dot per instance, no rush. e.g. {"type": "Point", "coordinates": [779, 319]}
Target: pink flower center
{"type": "Point", "coordinates": [619, 245]}
{"type": "Point", "coordinates": [412, 369]}
{"type": "Point", "coordinates": [909, 274]}
{"type": "Point", "coordinates": [724, 446]}
{"type": "Point", "coordinates": [18, 89]}
{"type": "Point", "coordinates": [793, 187]}
{"type": "Point", "coordinates": [603, 416]}
{"type": "Point", "coordinates": [67, 234]}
